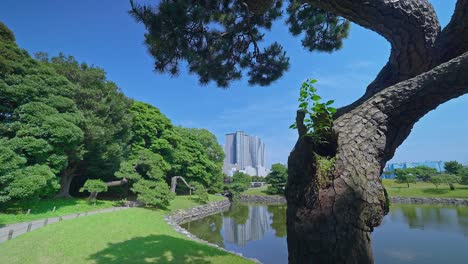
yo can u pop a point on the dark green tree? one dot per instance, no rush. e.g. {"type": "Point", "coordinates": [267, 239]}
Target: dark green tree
{"type": "Point", "coordinates": [453, 167]}
{"type": "Point", "coordinates": [277, 179]}
{"type": "Point", "coordinates": [106, 120]}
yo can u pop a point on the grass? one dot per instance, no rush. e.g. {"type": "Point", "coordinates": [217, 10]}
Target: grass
{"type": "Point", "coordinates": [420, 189]}
{"type": "Point", "coordinates": [135, 235]}
{"type": "Point", "coordinates": [257, 191]}
{"type": "Point", "coordinates": [16, 212]}
{"type": "Point", "coordinates": [424, 189]}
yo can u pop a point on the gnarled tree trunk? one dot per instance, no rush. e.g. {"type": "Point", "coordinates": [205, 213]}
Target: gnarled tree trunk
{"type": "Point", "coordinates": [331, 213]}
{"type": "Point", "coordinates": [174, 183]}
{"type": "Point", "coordinates": [65, 182]}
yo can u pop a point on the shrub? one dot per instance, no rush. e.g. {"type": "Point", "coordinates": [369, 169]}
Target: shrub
{"type": "Point", "coordinates": [94, 187]}
{"type": "Point", "coordinates": [201, 192]}
{"type": "Point", "coordinates": [153, 193]}
{"type": "Point", "coordinates": [277, 179]}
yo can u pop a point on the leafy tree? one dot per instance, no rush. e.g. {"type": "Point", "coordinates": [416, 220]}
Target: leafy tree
{"type": "Point", "coordinates": [240, 181]}
{"type": "Point", "coordinates": [153, 193]}
{"type": "Point", "coordinates": [106, 119]}
{"type": "Point", "coordinates": [422, 173]}
{"type": "Point", "coordinates": [453, 167]}
{"type": "Point", "coordinates": [201, 192]}
{"type": "Point", "coordinates": [277, 179]}
{"type": "Point", "coordinates": [198, 158]}
{"type": "Point", "coordinates": [448, 179]}
{"type": "Point", "coordinates": [94, 186]}
{"type": "Point", "coordinates": [464, 176]}
{"type": "Point", "coordinates": [405, 176]}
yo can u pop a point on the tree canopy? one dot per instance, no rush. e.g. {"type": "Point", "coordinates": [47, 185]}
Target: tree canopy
{"type": "Point", "coordinates": [64, 127]}
{"type": "Point", "coordinates": [221, 39]}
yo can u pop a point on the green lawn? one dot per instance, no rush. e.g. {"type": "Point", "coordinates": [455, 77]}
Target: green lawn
{"type": "Point", "coordinates": [420, 189]}
{"type": "Point", "coordinates": [257, 191]}
{"type": "Point", "coordinates": [15, 213]}
{"type": "Point", "coordinates": [424, 189]}
{"type": "Point", "coordinates": [135, 235]}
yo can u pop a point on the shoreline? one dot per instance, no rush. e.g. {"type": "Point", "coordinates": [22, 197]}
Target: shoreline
{"type": "Point", "coordinates": [276, 199]}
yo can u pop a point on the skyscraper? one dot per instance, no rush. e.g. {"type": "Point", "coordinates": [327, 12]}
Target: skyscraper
{"type": "Point", "coordinates": [244, 153]}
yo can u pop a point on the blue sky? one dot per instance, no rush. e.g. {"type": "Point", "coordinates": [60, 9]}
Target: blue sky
{"type": "Point", "coordinates": [102, 33]}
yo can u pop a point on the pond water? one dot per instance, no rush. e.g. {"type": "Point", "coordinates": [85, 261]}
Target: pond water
{"type": "Point", "coordinates": [409, 233]}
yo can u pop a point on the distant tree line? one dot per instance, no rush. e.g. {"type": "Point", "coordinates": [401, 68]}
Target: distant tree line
{"type": "Point", "coordinates": [66, 128]}
{"type": "Point", "coordinates": [454, 173]}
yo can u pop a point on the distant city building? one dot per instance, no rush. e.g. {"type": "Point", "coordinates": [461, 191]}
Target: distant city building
{"type": "Point", "coordinates": [388, 172]}
{"type": "Point", "coordinates": [244, 153]}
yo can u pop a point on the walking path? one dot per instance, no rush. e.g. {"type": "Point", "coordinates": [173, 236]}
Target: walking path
{"type": "Point", "coordinates": [22, 228]}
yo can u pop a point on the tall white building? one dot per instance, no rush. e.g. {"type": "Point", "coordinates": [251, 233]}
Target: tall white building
{"type": "Point", "coordinates": [244, 153]}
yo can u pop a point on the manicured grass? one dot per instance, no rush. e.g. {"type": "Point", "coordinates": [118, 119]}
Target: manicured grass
{"type": "Point", "coordinates": [257, 191]}
{"type": "Point", "coordinates": [424, 189]}
{"type": "Point", "coordinates": [16, 212]}
{"type": "Point", "coordinates": [185, 201]}
{"type": "Point", "coordinates": [135, 235]}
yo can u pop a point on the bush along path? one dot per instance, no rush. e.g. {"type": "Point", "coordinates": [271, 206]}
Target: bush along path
{"type": "Point", "coordinates": [11, 231]}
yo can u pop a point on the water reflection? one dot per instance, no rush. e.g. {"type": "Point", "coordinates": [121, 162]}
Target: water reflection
{"type": "Point", "coordinates": [449, 219]}
{"type": "Point", "coordinates": [409, 234]}
{"type": "Point", "coordinates": [251, 224]}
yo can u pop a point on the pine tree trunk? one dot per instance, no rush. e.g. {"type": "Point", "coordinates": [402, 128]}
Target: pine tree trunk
{"type": "Point", "coordinates": [65, 182]}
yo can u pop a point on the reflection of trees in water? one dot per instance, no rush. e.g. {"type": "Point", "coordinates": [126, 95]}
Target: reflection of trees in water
{"type": "Point", "coordinates": [245, 223]}
{"type": "Point", "coordinates": [208, 229]}
{"type": "Point", "coordinates": [432, 217]}
{"type": "Point", "coordinates": [278, 219]}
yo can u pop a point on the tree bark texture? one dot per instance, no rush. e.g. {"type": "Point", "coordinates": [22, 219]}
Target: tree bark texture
{"type": "Point", "coordinates": [174, 183]}
{"type": "Point", "coordinates": [65, 182]}
{"type": "Point", "coordinates": [331, 213]}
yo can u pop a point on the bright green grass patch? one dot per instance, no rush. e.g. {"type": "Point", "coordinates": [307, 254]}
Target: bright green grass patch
{"type": "Point", "coordinates": [185, 201]}
{"type": "Point", "coordinates": [135, 235]}
{"type": "Point", "coordinates": [257, 191]}
{"type": "Point", "coordinates": [16, 212]}
{"type": "Point", "coordinates": [424, 189]}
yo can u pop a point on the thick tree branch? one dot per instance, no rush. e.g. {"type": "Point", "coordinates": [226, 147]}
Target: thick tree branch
{"type": "Point", "coordinates": [385, 120]}
{"type": "Point", "coordinates": [453, 40]}
{"type": "Point", "coordinates": [410, 26]}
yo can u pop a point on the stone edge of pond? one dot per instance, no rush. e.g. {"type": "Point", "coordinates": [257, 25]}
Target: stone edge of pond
{"type": "Point", "coordinates": [178, 217]}
{"type": "Point", "coordinates": [266, 199]}
{"type": "Point", "coordinates": [276, 199]}
{"type": "Point", "coordinates": [427, 200]}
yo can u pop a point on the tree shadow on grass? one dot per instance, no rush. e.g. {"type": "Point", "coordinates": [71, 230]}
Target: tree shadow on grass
{"type": "Point", "coordinates": [156, 249]}
{"type": "Point", "coordinates": [437, 191]}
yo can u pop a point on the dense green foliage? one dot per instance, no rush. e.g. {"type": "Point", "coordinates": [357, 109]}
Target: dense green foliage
{"type": "Point", "coordinates": [318, 116]}
{"type": "Point", "coordinates": [404, 176]}
{"type": "Point", "coordinates": [448, 179]}
{"type": "Point", "coordinates": [200, 192]}
{"type": "Point", "coordinates": [94, 186]}
{"type": "Point", "coordinates": [221, 39]}
{"type": "Point", "coordinates": [453, 167]}
{"type": "Point", "coordinates": [240, 182]}
{"type": "Point", "coordinates": [65, 127]}
{"type": "Point", "coordinates": [153, 193]}
{"type": "Point", "coordinates": [277, 179]}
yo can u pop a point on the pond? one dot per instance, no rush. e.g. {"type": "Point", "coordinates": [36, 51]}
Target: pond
{"type": "Point", "coordinates": [409, 233]}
